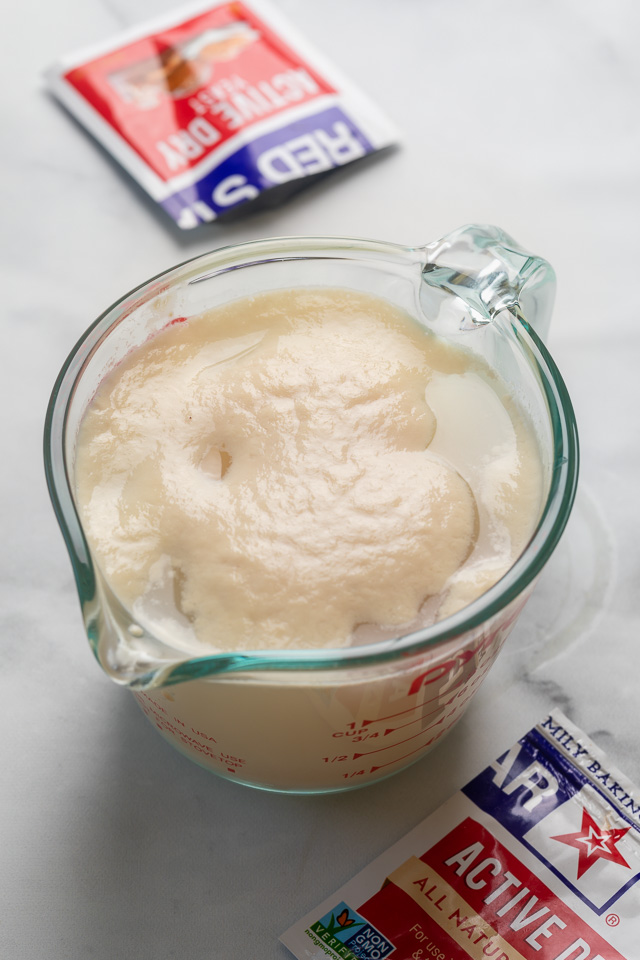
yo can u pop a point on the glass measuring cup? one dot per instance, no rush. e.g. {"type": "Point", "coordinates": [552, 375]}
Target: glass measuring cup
{"type": "Point", "coordinates": [313, 721]}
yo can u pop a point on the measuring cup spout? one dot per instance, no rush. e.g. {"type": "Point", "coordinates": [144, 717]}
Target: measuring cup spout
{"type": "Point", "coordinates": [478, 271]}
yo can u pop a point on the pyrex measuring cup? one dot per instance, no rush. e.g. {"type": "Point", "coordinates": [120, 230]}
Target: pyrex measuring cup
{"type": "Point", "coordinates": [328, 719]}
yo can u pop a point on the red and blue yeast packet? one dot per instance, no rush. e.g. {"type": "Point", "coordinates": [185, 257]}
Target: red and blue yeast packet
{"type": "Point", "coordinates": [536, 858]}
{"type": "Point", "coordinates": [214, 105]}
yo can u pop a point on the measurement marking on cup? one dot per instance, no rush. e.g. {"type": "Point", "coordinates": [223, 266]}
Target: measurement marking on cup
{"type": "Point", "coordinates": [459, 699]}
{"type": "Point", "coordinates": [392, 716]}
{"type": "Point", "coordinates": [411, 752]}
{"type": "Point", "coordinates": [463, 694]}
{"type": "Point", "coordinates": [423, 716]}
{"type": "Point", "coordinates": [389, 746]}
{"type": "Point", "coordinates": [416, 706]}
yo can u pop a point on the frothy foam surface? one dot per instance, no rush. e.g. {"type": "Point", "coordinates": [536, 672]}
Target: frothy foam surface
{"type": "Point", "coordinates": [302, 469]}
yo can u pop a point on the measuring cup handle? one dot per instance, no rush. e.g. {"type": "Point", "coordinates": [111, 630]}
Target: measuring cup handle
{"type": "Point", "coordinates": [490, 272]}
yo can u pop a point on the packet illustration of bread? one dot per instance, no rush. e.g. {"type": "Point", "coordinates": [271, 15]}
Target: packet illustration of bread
{"type": "Point", "coordinates": [215, 105]}
{"type": "Point", "coordinates": [536, 858]}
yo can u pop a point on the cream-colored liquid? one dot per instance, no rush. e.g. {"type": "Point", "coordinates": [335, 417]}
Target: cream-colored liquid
{"type": "Point", "coordinates": [302, 469]}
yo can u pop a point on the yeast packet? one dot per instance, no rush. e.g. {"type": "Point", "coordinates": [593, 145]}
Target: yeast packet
{"type": "Point", "coordinates": [536, 858]}
{"type": "Point", "coordinates": [214, 105]}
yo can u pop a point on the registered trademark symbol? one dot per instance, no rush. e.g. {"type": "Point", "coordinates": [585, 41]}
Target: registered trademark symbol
{"type": "Point", "coordinates": [613, 920]}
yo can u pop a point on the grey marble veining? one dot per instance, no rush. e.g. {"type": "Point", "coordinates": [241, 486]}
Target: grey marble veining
{"type": "Point", "coordinates": [112, 844]}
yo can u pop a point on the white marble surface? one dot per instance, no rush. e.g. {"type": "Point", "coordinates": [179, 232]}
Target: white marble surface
{"type": "Point", "coordinates": [524, 115]}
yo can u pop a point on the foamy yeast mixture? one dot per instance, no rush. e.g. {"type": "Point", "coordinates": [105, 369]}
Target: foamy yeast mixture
{"type": "Point", "coordinates": [303, 469]}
